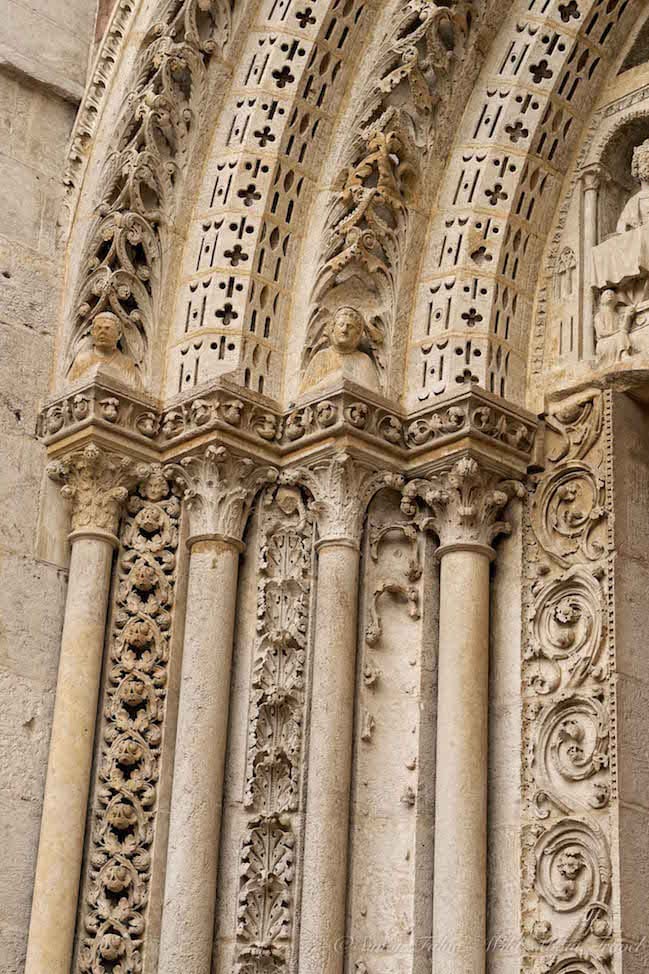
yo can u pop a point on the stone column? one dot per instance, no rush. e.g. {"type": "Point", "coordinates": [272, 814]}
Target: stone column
{"type": "Point", "coordinates": [342, 489]}
{"type": "Point", "coordinates": [590, 182]}
{"type": "Point", "coordinates": [218, 490]}
{"type": "Point", "coordinates": [463, 507]}
{"type": "Point", "coordinates": [96, 484]}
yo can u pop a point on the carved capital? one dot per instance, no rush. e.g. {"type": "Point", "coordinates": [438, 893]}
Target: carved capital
{"type": "Point", "coordinates": [342, 489]}
{"type": "Point", "coordinates": [463, 505]}
{"type": "Point", "coordinates": [96, 484]}
{"type": "Point", "coordinates": [592, 178]}
{"type": "Point", "coordinates": [218, 489]}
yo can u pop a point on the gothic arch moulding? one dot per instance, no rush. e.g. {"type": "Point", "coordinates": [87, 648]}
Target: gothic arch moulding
{"type": "Point", "coordinates": [474, 305]}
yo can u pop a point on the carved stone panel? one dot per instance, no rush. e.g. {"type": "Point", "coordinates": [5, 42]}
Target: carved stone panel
{"type": "Point", "coordinates": [268, 858]}
{"type": "Point", "coordinates": [390, 898]}
{"type": "Point", "coordinates": [567, 907]}
{"type": "Point", "coordinates": [113, 919]}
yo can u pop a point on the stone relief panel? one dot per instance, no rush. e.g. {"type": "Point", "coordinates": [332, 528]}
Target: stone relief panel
{"type": "Point", "coordinates": [591, 304]}
{"type": "Point", "coordinates": [122, 261]}
{"type": "Point", "coordinates": [116, 886]}
{"type": "Point", "coordinates": [389, 922]}
{"type": "Point", "coordinates": [568, 779]}
{"type": "Point", "coordinates": [473, 311]}
{"type": "Point", "coordinates": [238, 265]}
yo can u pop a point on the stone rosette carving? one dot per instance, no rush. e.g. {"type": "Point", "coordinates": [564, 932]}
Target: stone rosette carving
{"type": "Point", "coordinates": [218, 488]}
{"type": "Point", "coordinates": [96, 485]}
{"type": "Point", "coordinates": [124, 809]}
{"type": "Point", "coordinates": [462, 505]}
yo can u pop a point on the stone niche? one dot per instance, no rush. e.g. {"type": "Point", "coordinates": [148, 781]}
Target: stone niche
{"type": "Point", "coordinates": [592, 305]}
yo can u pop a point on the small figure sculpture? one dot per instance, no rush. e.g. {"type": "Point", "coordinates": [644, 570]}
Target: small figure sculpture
{"type": "Point", "coordinates": [343, 356]}
{"type": "Point", "coordinates": [105, 355]}
{"type": "Point", "coordinates": [636, 212]}
{"type": "Point", "coordinates": [612, 329]}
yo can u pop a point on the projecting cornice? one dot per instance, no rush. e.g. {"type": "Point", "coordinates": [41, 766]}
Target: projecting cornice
{"type": "Point", "coordinates": [347, 417]}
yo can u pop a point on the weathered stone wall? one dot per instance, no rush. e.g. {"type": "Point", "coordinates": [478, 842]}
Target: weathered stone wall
{"type": "Point", "coordinates": [44, 48]}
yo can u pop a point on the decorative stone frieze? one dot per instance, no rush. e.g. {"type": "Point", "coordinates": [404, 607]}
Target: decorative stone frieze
{"type": "Point", "coordinates": [123, 825]}
{"type": "Point", "coordinates": [463, 503]}
{"type": "Point", "coordinates": [96, 485]}
{"type": "Point", "coordinates": [218, 489]}
{"type": "Point", "coordinates": [348, 409]}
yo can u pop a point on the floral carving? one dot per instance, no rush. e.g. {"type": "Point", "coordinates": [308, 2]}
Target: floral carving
{"type": "Point", "coordinates": [275, 738]}
{"type": "Point", "coordinates": [570, 514]}
{"type": "Point", "coordinates": [342, 488]}
{"type": "Point", "coordinates": [125, 802]}
{"type": "Point", "coordinates": [571, 746]}
{"type": "Point", "coordinates": [568, 744]}
{"type": "Point", "coordinates": [219, 488]}
{"type": "Point", "coordinates": [121, 266]}
{"type": "Point", "coordinates": [462, 505]}
{"type": "Point", "coordinates": [96, 485]}
{"type": "Point", "coordinates": [568, 630]}
{"type": "Point", "coordinates": [573, 875]}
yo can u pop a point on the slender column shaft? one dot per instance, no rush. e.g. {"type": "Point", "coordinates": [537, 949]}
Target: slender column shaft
{"type": "Point", "coordinates": [330, 760]}
{"type": "Point", "coordinates": [56, 888]}
{"type": "Point", "coordinates": [201, 743]}
{"type": "Point", "coordinates": [459, 911]}
{"type": "Point", "coordinates": [591, 182]}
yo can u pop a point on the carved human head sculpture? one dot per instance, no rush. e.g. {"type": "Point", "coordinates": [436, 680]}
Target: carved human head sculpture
{"type": "Point", "coordinates": [608, 299]}
{"type": "Point", "coordinates": [106, 331]}
{"type": "Point", "coordinates": [347, 330]}
{"type": "Point", "coordinates": [640, 164]}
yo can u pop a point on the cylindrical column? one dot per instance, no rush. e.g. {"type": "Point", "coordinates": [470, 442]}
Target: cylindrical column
{"type": "Point", "coordinates": [464, 506]}
{"type": "Point", "coordinates": [201, 742]}
{"type": "Point", "coordinates": [218, 489]}
{"type": "Point", "coordinates": [590, 193]}
{"type": "Point", "coordinates": [95, 485]}
{"type": "Point", "coordinates": [459, 910]}
{"type": "Point", "coordinates": [330, 760]}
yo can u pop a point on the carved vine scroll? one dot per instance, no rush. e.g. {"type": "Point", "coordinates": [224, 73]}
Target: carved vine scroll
{"type": "Point", "coordinates": [567, 748]}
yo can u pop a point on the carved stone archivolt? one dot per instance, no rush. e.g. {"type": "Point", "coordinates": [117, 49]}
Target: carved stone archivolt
{"type": "Point", "coordinates": [123, 253]}
{"type": "Point", "coordinates": [366, 237]}
{"type": "Point", "coordinates": [568, 751]}
{"type": "Point", "coordinates": [114, 914]}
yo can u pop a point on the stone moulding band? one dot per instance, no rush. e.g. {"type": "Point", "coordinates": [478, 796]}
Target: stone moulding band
{"type": "Point", "coordinates": [219, 538]}
{"type": "Point", "coordinates": [276, 435]}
